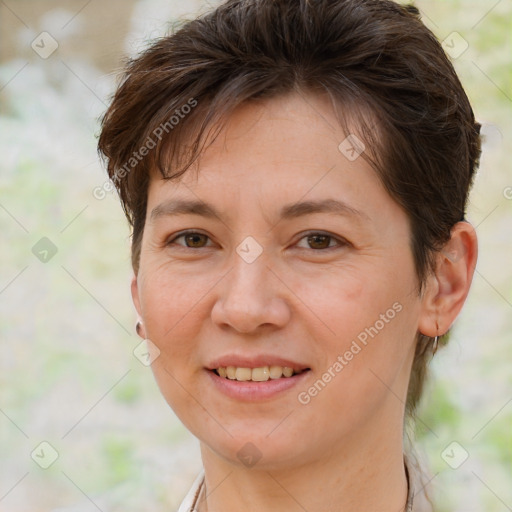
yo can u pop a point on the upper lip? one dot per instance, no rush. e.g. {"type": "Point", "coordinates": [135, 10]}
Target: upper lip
{"type": "Point", "coordinates": [255, 362]}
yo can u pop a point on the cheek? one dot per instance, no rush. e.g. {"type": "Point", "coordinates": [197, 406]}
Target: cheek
{"type": "Point", "coordinates": [369, 318]}
{"type": "Point", "coordinates": [173, 312]}
{"type": "Point", "coordinates": [173, 305]}
{"type": "Point", "coordinates": [345, 300]}
{"type": "Point", "coordinates": [366, 368]}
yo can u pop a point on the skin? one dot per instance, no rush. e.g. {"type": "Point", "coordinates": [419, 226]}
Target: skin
{"type": "Point", "coordinates": [298, 299]}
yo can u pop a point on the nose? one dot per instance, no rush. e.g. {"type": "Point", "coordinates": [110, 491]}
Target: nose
{"type": "Point", "coordinates": [251, 298]}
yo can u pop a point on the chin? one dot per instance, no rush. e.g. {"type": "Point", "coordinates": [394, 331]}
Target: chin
{"type": "Point", "coordinates": [254, 449]}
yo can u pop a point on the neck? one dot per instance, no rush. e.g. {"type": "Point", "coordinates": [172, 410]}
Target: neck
{"type": "Point", "coordinates": [359, 475]}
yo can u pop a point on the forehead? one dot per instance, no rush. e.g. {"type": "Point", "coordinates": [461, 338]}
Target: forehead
{"type": "Point", "coordinates": [285, 156]}
{"type": "Point", "coordinates": [301, 129]}
{"type": "Point", "coordinates": [274, 162]}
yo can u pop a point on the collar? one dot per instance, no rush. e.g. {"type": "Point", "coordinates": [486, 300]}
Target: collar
{"type": "Point", "coordinates": [416, 499]}
{"type": "Point", "coordinates": [190, 501]}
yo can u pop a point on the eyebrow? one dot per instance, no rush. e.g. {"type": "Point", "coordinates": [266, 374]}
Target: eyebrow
{"type": "Point", "coordinates": [295, 210]}
{"type": "Point", "coordinates": [290, 211]}
{"type": "Point", "coordinates": [184, 207]}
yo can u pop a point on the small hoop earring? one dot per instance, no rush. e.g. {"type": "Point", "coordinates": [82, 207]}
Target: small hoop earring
{"type": "Point", "coordinates": [138, 327]}
{"type": "Point", "coordinates": [435, 345]}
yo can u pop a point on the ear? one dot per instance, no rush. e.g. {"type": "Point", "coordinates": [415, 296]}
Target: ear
{"type": "Point", "coordinates": [136, 303]}
{"type": "Point", "coordinates": [448, 287]}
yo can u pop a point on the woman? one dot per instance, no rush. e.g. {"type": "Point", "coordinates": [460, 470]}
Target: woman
{"type": "Point", "coordinates": [296, 174]}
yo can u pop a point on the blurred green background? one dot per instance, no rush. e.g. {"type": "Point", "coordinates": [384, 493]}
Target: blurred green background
{"type": "Point", "coordinates": [68, 375]}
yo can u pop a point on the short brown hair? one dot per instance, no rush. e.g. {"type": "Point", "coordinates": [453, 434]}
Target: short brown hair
{"type": "Point", "coordinates": [371, 55]}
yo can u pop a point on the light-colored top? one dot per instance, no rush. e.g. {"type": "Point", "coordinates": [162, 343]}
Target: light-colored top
{"type": "Point", "coordinates": [189, 503]}
{"type": "Point", "coordinates": [416, 499]}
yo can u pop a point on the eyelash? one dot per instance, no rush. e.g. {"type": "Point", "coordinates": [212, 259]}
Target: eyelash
{"type": "Point", "coordinates": [340, 241]}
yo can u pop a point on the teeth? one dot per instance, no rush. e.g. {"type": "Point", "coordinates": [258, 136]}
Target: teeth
{"type": "Point", "coordinates": [287, 372]}
{"type": "Point", "coordinates": [243, 374]}
{"type": "Point", "coordinates": [260, 374]}
{"type": "Point", "coordinates": [276, 372]}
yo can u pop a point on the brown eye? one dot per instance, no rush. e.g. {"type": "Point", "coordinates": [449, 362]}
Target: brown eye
{"type": "Point", "coordinates": [319, 241]}
{"type": "Point", "coordinates": [192, 240]}
{"type": "Point", "coordinates": [195, 240]}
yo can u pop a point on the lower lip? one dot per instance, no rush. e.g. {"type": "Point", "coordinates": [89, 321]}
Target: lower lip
{"type": "Point", "coordinates": [253, 391]}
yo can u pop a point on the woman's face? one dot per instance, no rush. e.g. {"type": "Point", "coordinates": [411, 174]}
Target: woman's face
{"type": "Point", "coordinates": [296, 258]}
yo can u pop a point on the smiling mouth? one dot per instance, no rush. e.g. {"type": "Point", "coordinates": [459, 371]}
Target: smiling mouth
{"type": "Point", "coordinates": [260, 374]}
